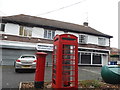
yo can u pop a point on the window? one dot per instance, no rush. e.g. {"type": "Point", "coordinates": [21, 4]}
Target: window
{"type": "Point", "coordinates": [101, 41]}
{"type": "Point", "coordinates": [85, 58]}
{"type": "Point", "coordinates": [2, 27]}
{"type": "Point", "coordinates": [97, 59]}
{"type": "Point", "coordinates": [82, 39]}
{"type": "Point", "coordinates": [49, 34]}
{"type": "Point", "coordinates": [25, 31]}
{"type": "Point", "coordinates": [89, 58]}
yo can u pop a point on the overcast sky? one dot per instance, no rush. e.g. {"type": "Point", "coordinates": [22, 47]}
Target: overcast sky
{"type": "Point", "coordinates": [101, 15]}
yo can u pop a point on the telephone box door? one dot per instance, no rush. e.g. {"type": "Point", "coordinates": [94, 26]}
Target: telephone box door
{"type": "Point", "coordinates": [68, 66]}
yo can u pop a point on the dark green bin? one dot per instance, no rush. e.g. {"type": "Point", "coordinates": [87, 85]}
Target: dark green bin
{"type": "Point", "coordinates": [111, 74]}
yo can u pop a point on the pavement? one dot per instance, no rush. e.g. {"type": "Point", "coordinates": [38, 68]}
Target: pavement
{"type": "Point", "coordinates": [89, 73]}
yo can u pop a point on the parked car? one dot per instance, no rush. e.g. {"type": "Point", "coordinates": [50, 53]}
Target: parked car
{"type": "Point", "coordinates": [25, 62]}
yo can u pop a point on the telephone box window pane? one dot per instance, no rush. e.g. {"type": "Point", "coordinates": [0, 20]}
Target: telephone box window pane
{"type": "Point", "coordinates": [55, 49]}
{"type": "Point", "coordinates": [68, 67]}
{"type": "Point", "coordinates": [68, 52]}
{"type": "Point", "coordinates": [54, 64]}
{"type": "Point", "coordinates": [79, 57]}
{"type": "Point", "coordinates": [54, 55]}
{"type": "Point", "coordinates": [54, 71]}
{"type": "Point", "coordinates": [68, 49]}
{"type": "Point", "coordinates": [85, 58]}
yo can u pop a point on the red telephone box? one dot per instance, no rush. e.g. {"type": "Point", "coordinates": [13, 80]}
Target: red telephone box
{"type": "Point", "coordinates": [65, 62]}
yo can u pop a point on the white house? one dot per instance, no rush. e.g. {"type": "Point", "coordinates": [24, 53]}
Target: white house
{"type": "Point", "coordinates": [21, 34]}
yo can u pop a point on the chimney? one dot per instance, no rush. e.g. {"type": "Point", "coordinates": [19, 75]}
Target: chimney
{"type": "Point", "coordinates": [85, 23]}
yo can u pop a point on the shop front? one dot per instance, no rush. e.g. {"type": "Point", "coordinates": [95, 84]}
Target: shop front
{"type": "Point", "coordinates": [93, 57]}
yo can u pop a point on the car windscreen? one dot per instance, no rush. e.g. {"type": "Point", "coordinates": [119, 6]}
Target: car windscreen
{"type": "Point", "coordinates": [27, 56]}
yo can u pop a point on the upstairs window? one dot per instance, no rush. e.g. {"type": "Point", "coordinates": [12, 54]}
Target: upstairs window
{"type": "Point", "coordinates": [101, 41]}
{"type": "Point", "coordinates": [83, 39]}
{"type": "Point", "coordinates": [25, 31]}
{"type": "Point", "coordinates": [49, 34]}
{"type": "Point", "coordinates": [2, 28]}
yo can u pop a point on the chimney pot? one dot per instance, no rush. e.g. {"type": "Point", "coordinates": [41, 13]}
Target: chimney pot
{"type": "Point", "coordinates": [85, 23]}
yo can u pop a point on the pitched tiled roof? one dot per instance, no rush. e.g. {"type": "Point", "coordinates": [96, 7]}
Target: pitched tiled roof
{"type": "Point", "coordinates": [38, 21]}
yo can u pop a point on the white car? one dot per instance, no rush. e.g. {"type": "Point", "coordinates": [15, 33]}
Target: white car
{"type": "Point", "coordinates": [25, 62]}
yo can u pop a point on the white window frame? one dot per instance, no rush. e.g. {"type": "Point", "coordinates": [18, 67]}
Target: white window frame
{"type": "Point", "coordinates": [26, 31]}
{"type": "Point", "coordinates": [91, 57]}
{"type": "Point", "coordinates": [83, 39]}
{"type": "Point", "coordinates": [101, 41]}
{"type": "Point", "coordinates": [49, 34]}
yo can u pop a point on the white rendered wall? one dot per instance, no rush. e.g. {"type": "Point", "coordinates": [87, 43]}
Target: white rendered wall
{"type": "Point", "coordinates": [38, 32]}
{"type": "Point", "coordinates": [76, 34]}
{"type": "Point", "coordinates": [58, 32]}
{"type": "Point", "coordinates": [107, 42]}
{"type": "Point", "coordinates": [92, 39]}
{"type": "Point", "coordinates": [12, 29]}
